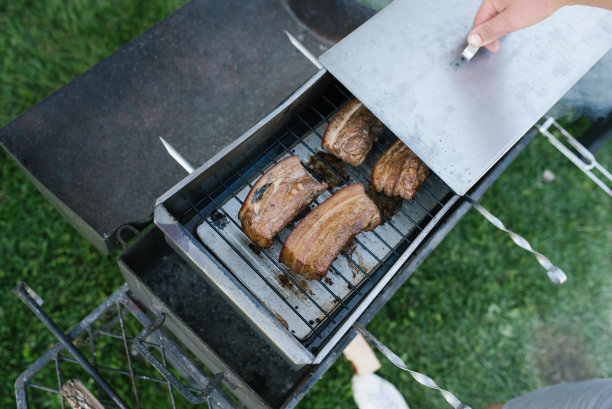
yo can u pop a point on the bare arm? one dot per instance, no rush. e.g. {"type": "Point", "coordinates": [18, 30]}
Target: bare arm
{"type": "Point", "coordinates": [496, 18]}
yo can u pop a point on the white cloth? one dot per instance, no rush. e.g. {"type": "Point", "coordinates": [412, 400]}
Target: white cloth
{"type": "Point", "coordinates": [373, 392]}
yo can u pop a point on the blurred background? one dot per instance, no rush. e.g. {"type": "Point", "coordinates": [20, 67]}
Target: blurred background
{"type": "Point", "coordinates": [479, 316]}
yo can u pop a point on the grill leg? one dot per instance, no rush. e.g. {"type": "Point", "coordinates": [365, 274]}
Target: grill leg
{"type": "Point", "coordinates": [24, 293]}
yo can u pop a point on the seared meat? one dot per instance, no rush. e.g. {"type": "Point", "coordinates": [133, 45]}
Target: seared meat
{"type": "Point", "coordinates": [313, 245]}
{"type": "Point", "coordinates": [279, 194]}
{"type": "Point", "coordinates": [351, 132]}
{"type": "Point", "coordinates": [399, 172]}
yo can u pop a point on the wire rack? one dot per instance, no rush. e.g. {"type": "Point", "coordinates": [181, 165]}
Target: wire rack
{"type": "Point", "coordinates": [311, 310]}
{"type": "Point", "coordinates": [106, 337]}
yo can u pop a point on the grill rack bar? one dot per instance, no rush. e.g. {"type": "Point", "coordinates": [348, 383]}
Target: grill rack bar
{"type": "Point", "coordinates": [355, 238]}
{"type": "Point", "coordinates": [58, 376]}
{"type": "Point", "coordinates": [380, 150]}
{"type": "Point", "coordinates": [255, 269]}
{"type": "Point", "coordinates": [366, 179]}
{"type": "Point", "coordinates": [129, 358]}
{"type": "Point", "coordinates": [306, 122]}
{"type": "Point", "coordinates": [282, 270]}
{"type": "Point", "coordinates": [278, 241]}
{"type": "Point", "coordinates": [346, 181]}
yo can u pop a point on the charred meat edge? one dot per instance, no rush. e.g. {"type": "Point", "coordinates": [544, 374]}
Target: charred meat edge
{"type": "Point", "coordinates": [257, 193]}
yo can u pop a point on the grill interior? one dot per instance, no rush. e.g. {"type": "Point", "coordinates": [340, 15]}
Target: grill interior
{"type": "Point", "coordinates": [311, 310]}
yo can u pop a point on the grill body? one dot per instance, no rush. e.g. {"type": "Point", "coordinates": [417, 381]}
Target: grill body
{"type": "Point", "coordinates": [222, 338]}
{"type": "Point", "coordinates": [302, 320]}
{"type": "Point", "coordinates": [219, 332]}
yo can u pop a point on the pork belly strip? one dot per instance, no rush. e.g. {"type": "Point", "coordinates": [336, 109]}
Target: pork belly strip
{"type": "Point", "coordinates": [399, 172]}
{"type": "Point", "coordinates": [317, 240]}
{"type": "Point", "coordinates": [351, 132]}
{"type": "Point", "coordinates": [279, 194]}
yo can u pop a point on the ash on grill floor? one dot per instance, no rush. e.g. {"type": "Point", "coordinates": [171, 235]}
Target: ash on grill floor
{"type": "Point", "coordinates": [222, 328]}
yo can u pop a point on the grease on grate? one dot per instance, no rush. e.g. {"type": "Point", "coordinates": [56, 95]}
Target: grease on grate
{"type": "Point", "coordinates": [388, 206]}
{"type": "Point", "coordinates": [323, 173]}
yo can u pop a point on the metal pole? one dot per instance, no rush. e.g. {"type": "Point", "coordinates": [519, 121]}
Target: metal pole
{"type": "Point", "coordinates": [21, 292]}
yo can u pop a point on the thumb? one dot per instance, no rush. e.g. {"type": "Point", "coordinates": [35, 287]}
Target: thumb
{"type": "Point", "coordinates": [491, 30]}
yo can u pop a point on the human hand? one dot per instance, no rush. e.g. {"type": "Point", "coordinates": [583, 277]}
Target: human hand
{"type": "Point", "coordinates": [495, 18]}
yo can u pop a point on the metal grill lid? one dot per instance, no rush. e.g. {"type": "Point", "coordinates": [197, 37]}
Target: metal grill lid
{"type": "Point", "coordinates": [462, 121]}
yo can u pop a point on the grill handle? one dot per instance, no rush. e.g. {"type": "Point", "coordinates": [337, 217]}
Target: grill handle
{"type": "Point", "coordinates": [555, 274]}
{"type": "Point", "coordinates": [174, 381]}
{"type": "Point", "coordinates": [419, 377]}
{"type": "Point", "coordinates": [120, 232]}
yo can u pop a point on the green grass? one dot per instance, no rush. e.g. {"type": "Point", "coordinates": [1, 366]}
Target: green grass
{"type": "Point", "coordinates": [479, 316]}
{"type": "Point", "coordinates": [45, 44]}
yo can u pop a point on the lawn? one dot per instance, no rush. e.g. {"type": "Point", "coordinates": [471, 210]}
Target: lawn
{"type": "Point", "coordinates": [479, 316]}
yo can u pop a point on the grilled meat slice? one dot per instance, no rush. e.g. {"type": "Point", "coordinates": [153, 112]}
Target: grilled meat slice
{"type": "Point", "coordinates": [399, 172]}
{"type": "Point", "coordinates": [351, 132]}
{"type": "Point", "coordinates": [313, 245]}
{"type": "Point", "coordinates": [279, 194]}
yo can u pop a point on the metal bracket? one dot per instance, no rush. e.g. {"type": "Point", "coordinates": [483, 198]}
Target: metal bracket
{"type": "Point", "coordinates": [586, 162]}
{"type": "Point", "coordinates": [176, 383]}
{"type": "Point", "coordinates": [123, 228]}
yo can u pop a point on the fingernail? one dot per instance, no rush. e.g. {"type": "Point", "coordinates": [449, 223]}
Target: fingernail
{"type": "Point", "coordinates": [474, 40]}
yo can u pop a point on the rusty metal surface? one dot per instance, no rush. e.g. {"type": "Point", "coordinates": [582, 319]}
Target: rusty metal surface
{"type": "Point", "coordinates": [199, 78]}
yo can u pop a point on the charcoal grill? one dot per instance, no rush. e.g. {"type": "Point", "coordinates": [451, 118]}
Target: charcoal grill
{"type": "Point", "coordinates": [196, 255]}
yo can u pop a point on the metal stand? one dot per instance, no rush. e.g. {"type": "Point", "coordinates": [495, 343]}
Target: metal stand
{"type": "Point", "coordinates": [108, 326]}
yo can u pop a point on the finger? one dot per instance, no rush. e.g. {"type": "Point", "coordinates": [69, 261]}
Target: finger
{"type": "Point", "coordinates": [494, 46]}
{"type": "Point", "coordinates": [491, 30]}
{"type": "Point", "coordinates": [486, 10]}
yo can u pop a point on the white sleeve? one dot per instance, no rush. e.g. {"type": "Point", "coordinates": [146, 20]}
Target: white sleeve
{"type": "Point", "coordinates": [590, 394]}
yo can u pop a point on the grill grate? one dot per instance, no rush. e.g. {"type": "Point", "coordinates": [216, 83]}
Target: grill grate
{"type": "Point", "coordinates": [311, 310]}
